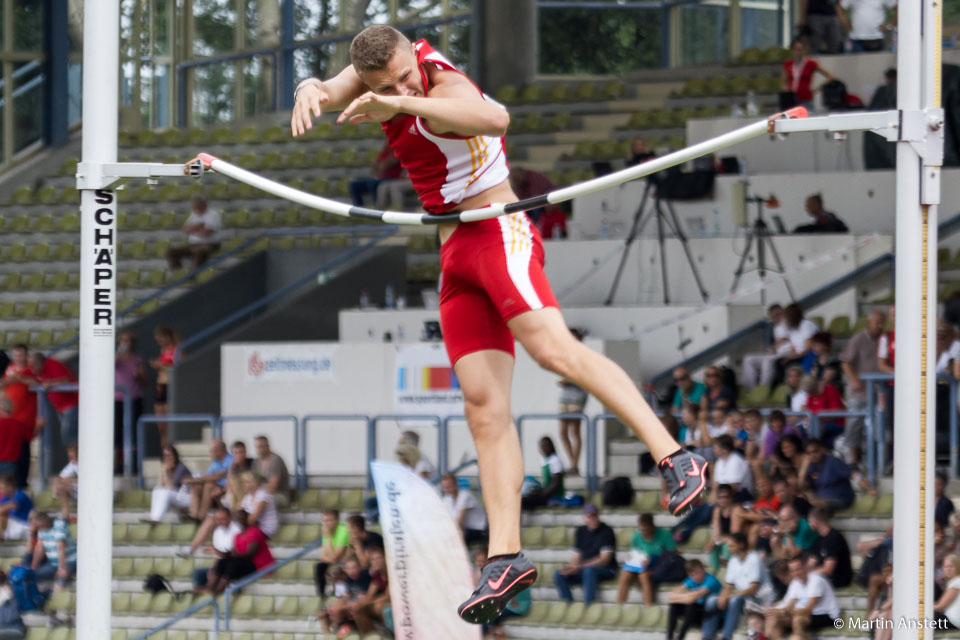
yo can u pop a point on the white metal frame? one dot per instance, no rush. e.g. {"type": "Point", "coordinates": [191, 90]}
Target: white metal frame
{"type": "Point", "coordinates": [916, 126]}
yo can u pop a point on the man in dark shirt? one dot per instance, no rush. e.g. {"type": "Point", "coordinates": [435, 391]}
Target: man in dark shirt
{"type": "Point", "coordinates": [944, 508]}
{"type": "Point", "coordinates": [593, 558]}
{"type": "Point", "coordinates": [355, 583]}
{"type": "Point", "coordinates": [821, 26]}
{"type": "Point", "coordinates": [827, 478]}
{"type": "Point", "coordinates": [823, 221]}
{"type": "Point", "coordinates": [830, 554]}
{"type": "Point", "coordinates": [361, 540]}
{"type": "Point", "coordinates": [787, 495]}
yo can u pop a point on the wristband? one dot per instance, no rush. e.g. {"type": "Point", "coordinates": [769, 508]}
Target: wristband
{"type": "Point", "coordinates": [305, 83]}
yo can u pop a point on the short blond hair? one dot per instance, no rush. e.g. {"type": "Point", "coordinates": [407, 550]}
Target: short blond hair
{"type": "Point", "coordinates": [373, 47]}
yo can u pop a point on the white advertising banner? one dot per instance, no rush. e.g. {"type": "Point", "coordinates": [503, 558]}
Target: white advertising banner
{"type": "Point", "coordinates": [288, 363]}
{"type": "Point", "coordinates": [426, 559]}
{"type": "Point", "coordinates": [425, 382]}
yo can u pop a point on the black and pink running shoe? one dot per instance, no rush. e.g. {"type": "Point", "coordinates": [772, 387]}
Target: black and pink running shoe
{"type": "Point", "coordinates": [686, 476]}
{"type": "Point", "coordinates": [500, 580]}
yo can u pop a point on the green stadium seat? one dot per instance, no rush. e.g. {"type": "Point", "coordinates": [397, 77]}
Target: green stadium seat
{"type": "Point", "coordinates": [159, 248]}
{"type": "Point", "coordinates": [305, 570]}
{"type": "Point", "coordinates": [64, 336]}
{"type": "Point", "coordinates": [839, 326]}
{"type": "Point", "coordinates": [60, 601]}
{"type": "Point", "coordinates": [288, 534]}
{"type": "Point", "coordinates": [555, 614]}
{"type": "Point", "coordinates": [119, 532]}
{"type": "Point", "coordinates": [884, 505]}
{"type": "Point", "coordinates": [537, 612]}
{"type": "Point", "coordinates": [532, 537]}
{"type": "Point", "coordinates": [611, 616]}
{"type": "Point", "coordinates": [586, 92]}
{"type": "Point", "coordinates": [624, 536]}
{"type": "Point", "coordinates": [22, 195]}
{"type": "Point", "coordinates": [161, 603]}
{"type": "Point", "coordinates": [286, 606]}
{"type": "Point", "coordinates": [153, 278]}
{"type": "Point", "coordinates": [121, 602]}
{"type": "Point", "coordinates": [630, 615]}
{"type": "Point", "coordinates": [506, 94]}
{"type": "Point", "coordinates": [16, 252]}
{"type": "Point", "coordinates": [42, 339]}
{"type": "Point", "coordinates": [65, 252]}
{"type": "Point", "coordinates": [556, 538]}
{"type": "Point", "coordinates": [118, 634]}
{"type": "Point", "coordinates": [697, 541]}
{"type": "Point", "coordinates": [183, 567]}
{"type": "Point", "coordinates": [758, 396]}
{"type": "Point", "coordinates": [779, 396]}
{"type": "Point", "coordinates": [242, 606]}
{"type": "Point", "coordinates": [329, 499]}
{"type": "Point", "coordinates": [140, 603]}
{"type": "Point", "coordinates": [351, 499]}
{"type": "Point", "coordinates": [863, 505]}
{"type": "Point", "coordinates": [309, 533]}
{"type": "Point", "coordinates": [142, 566]}
{"type": "Point", "coordinates": [817, 320]}
{"type": "Point", "coordinates": [6, 309]}
{"type": "Point", "coordinates": [27, 309]}
{"type": "Point", "coordinates": [531, 94]}
{"type": "Point", "coordinates": [592, 615]}
{"type": "Point", "coordinates": [739, 85]}
{"type": "Point", "coordinates": [19, 224]}
{"type": "Point", "coordinates": [652, 618]}
{"type": "Point", "coordinates": [20, 336]}
{"type": "Point", "coordinates": [39, 252]}
{"type": "Point", "coordinates": [308, 605]}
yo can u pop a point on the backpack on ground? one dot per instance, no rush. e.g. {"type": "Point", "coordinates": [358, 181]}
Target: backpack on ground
{"type": "Point", "coordinates": [24, 584]}
{"type": "Point", "coordinates": [617, 492]}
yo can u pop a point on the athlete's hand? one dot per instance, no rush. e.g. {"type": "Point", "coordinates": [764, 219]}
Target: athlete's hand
{"type": "Point", "coordinates": [309, 105]}
{"type": "Point", "coordinates": [370, 107]}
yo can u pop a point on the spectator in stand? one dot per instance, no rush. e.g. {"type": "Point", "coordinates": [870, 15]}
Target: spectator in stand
{"type": "Point", "coordinates": [168, 341]}
{"type": "Point", "coordinates": [129, 372]}
{"type": "Point", "coordinates": [250, 553]}
{"type": "Point", "coordinates": [271, 466]}
{"type": "Point", "coordinates": [688, 433]}
{"type": "Point", "coordinates": [639, 152]}
{"type": "Point", "coordinates": [689, 391]}
{"type": "Point", "coordinates": [258, 502]}
{"type": "Point", "coordinates": [778, 429]}
{"type": "Point", "coordinates": [830, 554]}
{"type": "Point", "coordinates": [551, 468]}
{"type": "Point", "coordinates": [882, 615]}
{"type": "Point", "coordinates": [385, 168]}
{"type": "Point", "coordinates": [206, 490]}
{"type": "Point", "coordinates": [693, 601]}
{"type": "Point", "coordinates": [823, 396]}
{"type": "Point", "coordinates": [422, 466]}
{"type": "Point", "coordinates": [731, 469]}
{"type": "Point", "coordinates": [16, 380]}
{"type": "Point", "coordinates": [752, 437]}
{"type": "Point", "coordinates": [761, 368]}
{"type": "Point", "coordinates": [171, 488]}
{"type": "Point", "coordinates": [202, 229]}
{"type": "Point", "coordinates": [819, 23]}
{"type": "Point", "coordinates": [367, 610]}
{"type": "Point", "coordinates": [572, 400]}
{"type": "Point", "coordinates": [787, 495]}
{"type": "Point", "coordinates": [527, 183]}
{"type": "Point", "coordinates": [718, 425]}
{"type": "Point", "coordinates": [765, 506]}
{"type": "Point", "coordinates": [65, 484]}
{"type": "Point", "coordinates": [54, 555]}
{"type": "Point", "coordinates": [718, 393]}
{"type": "Point", "coordinates": [11, 622]}
{"type": "Point", "coordinates": [793, 534]}
{"type": "Point", "coordinates": [887, 345]}
{"type": "Point", "coordinates": [810, 604]}
{"type": "Point", "coordinates": [944, 507]}
{"type": "Point", "coordinates": [13, 434]}
{"type": "Point", "coordinates": [797, 75]}
{"type": "Point", "coordinates": [744, 577]}
{"type": "Point", "coordinates": [221, 547]}
{"type": "Point", "coordinates": [465, 510]}
{"type": "Point", "coordinates": [593, 558]}
{"type": "Point", "coordinates": [648, 545]}
{"type": "Point", "coordinates": [799, 332]}
{"type": "Point", "coordinates": [823, 221]}
{"type": "Point", "coordinates": [720, 525]}
{"type": "Point", "coordinates": [797, 395]}
{"type": "Point", "coordinates": [821, 363]}
{"type": "Point", "coordinates": [356, 584]}
{"type": "Point", "coordinates": [860, 357]}
{"type": "Point", "coordinates": [948, 350]}
{"type": "Point", "coordinates": [48, 373]}
{"type": "Point", "coordinates": [240, 465]}
{"type": "Point", "coordinates": [791, 457]}
{"type": "Point", "coordinates": [362, 542]}
{"type": "Point", "coordinates": [867, 22]}
{"type": "Point", "coordinates": [336, 543]}
{"type": "Point", "coordinates": [15, 508]}
{"type": "Point", "coordinates": [827, 478]}
{"type": "Point", "coordinates": [947, 606]}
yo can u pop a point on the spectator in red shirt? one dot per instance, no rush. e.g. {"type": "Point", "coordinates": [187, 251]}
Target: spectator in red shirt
{"type": "Point", "coordinates": [764, 507]}
{"type": "Point", "coordinates": [250, 554]}
{"type": "Point", "coordinates": [553, 223]}
{"type": "Point", "coordinates": [798, 72]}
{"type": "Point", "coordinates": [16, 384]}
{"type": "Point", "coordinates": [13, 434]}
{"type": "Point", "coordinates": [385, 167]}
{"type": "Point", "coordinates": [823, 396]}
{"type": "Point", "coordinates": [48, 373]}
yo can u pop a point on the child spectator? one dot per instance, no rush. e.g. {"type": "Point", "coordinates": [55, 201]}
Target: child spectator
{"type": "Point", "coordinates": [362, 542]}
{"type": "Point", "coordinates": [824, 396]}
{"type": "Point", "coordinates": [336, 542]}
{"type": "Point", "coordinates": [54, 554]}
{"type": "Point", "coordinates": [171, 488]}
{"type": "Point", "coordinates": [65, 484]}
{"type": "Point", "coordinates": [688, 600]}
{"type": "Point", "coordinates": [168, 341]}
{"type": "Point", "coordinates": [421, 464]}
{"type": "Point", "coordinates": [751, 439]}
{"type": "Point", "coordinates": [648, 544]}
{"type": "Point", "coordinates": [15, 508]}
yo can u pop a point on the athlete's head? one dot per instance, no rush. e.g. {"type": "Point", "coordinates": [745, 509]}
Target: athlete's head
{"type": "Point", "coordinates": [386, 61]}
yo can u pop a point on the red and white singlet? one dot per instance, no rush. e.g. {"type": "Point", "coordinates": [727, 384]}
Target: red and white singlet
{"type": "Point", "coordinates": [444, 168]}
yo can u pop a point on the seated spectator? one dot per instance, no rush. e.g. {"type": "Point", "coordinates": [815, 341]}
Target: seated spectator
{"type": "Point", "coordinates": [367, 610]}
{"type": "Point", "coordinates": [206, 490]}
{"type": "Point", "coordinates": [745, 576]}
{"type": "Point", "coordinates": [54, 555]}
{"type": "Point", "coordinates": [13, 435]}
{"type": "Point", "coordinates": [202, 229]}
{"type": "Point", "coordinates": [876, 552]}
{"type": "Point", "coordinates": [881, 616]}
{"type": "Point", "coordinates": [11, 622]}
{"type": "Point", "coordinates": [750, 440]}
{"type": "Point", "coordinates": [823, 396]}
{"type": "Point", "coordinates": [465, 510]}
{"type": "Point", "coordinates": [792, 536]}
{"type": "Point", "coordinates": [799, 332]}
{"type": "Point", "coordinates": [809, 605]}
{"type": "Point", "coordinates": [791, 457]}
{"type": "Point", "coordinates": [171, 488]}
{"type": "Point", "coordinates": [718, 425]}
{"type": "Point", "coordinates": [778, 428]}
{"type": "Point", "coordinates": [787, 495]}
{"type": "Point", "coordinates": [15, 508]}
{"type": "Point", "coordinates": [689, 391]}
{"type": "Point", "coordinates": [947, 606]}
{"type": "Point", "coordinates": [639, 152]}
{"type": "Point", "coordinates": [867, 23]}
{"type": "Point", "coordinates": [798, 397]}
{"type": "Point", "coordinates": [764, 506]}
{"type": "Point", "coordinates": [718, 393]}
{"type": "Point", "coordinates": [258, 502]}
{"type": "Point", "coordinates": [821, 363]}
{"type": "Point", "coordinates": [827, 479]}
{"type": "Point", "coordinates": [527, 183]}
{"type": "Point", "coordinates": [48, 373]}
{"type": "Point", "coordinates": [648, 544]}
{"type": "Point", "coordinates": [823, 221]}
{"type": "Point", "coordinates": [250, 554]}
{"type": "Point", "coordinates": [240, 465]}
{"type": "Point", "coordinates": [336, 542]}
{"type": "Point", "coordinates": [272, 468]}
{"type": "Point", "coordinates": [422, 466]}
{"type": "Point", "coordinates": [65, 484]}
{"type": "Point", "coordinates": [830, 554]}
{"type": "Point", "coordinates": [944, 508]}
{"type": "Point", "coordinates": [385, 168]}
{"type": "Point", "coordinates": [593, 559]}
{"type": "Point", "coordinates": [355, 584]}
{"type": "Point", "coordinates": [551, 468]}
{"type": "Point", "coordinates": [221, 547]}
{"type": "Point", "coordinates": [720, 525]}
{"type": "Point", "coordinates": [362, 542]}
{"type": "Point", "coordinates": [689, 431]}
{"type": "Point", "coordinates": [761, 368]}
{"type": "Point", "coordinates": [693, 600]}
{"type": "Point", "coordinates": [731, 469]}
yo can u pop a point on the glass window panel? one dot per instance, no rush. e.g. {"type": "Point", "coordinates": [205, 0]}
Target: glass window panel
{"type": "Point", "coordinates": [213, 98]}
{"type": "Point", "coordinates": [312, 62]}
{"type": "Point", "coordinates": [28, 25]}
{"type": "Point", "coordinates": [161, 26]}
{"type": "Point", "coordinates": [258, 85]}
{"type": "Point", "coordinates": [312, 18]}
{"type": "Point", "coordinates": [704, 34]}
{"type": "Point", "coordinates": [263, 19]}
{"type": "Point", "coordinates": [74, 92]}
{"type": "Point", "coordinates": [758, 26]}
{"type": "Point", "coordinates": [28, 79]}
{"type": "Point", "coordinates": [597, 41]}
{"type": "Point", "coordinates": [161, 96]}
{"type": "Point", "coordinates": [213, 27]}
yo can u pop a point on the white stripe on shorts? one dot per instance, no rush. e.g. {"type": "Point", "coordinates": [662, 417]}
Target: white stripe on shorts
{"type": "Point", "coordinates": [518, 248]}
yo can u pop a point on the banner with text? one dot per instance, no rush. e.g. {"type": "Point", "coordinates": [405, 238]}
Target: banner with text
{"type": "Point", "coordinates": [425, 382]}
{"type": "Point", "coordinates": [289, 363]}
{"type": "Point", "coordinates": [426, 559]}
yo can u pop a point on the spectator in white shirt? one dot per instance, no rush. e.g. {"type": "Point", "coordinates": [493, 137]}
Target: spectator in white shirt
{"type": "Point", "coordinates": [761, 368]}
{"type": "Point", "coordinates": [867, 22]}
{"type": "Point", "coordinates": [171, 488]}
{"type": "Point", "coordinates": [947, 608]}
{"type": "Point", "coordinates": [422, 465]}
{"type": "Point", "coordinates": [258, 502]}
{"type": "Point", "coordinates": [465, 510]}
{"type": "Point", "coordinates": [809, 605]}
{"type": "Point", "coordinates": [222, 544]}
{"type": "Point", "coordinates": [65, 485]}
{"type": "Point", "coordinates": [744, 578]}
{"type": "Point", "coordinates": [799, 332]}
{"type": "Point", "coordinates": [731, 468]}
{"type": "Point", "coordinates": [203, 235]}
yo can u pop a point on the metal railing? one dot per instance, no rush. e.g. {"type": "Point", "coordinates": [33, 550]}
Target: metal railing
{"type": "Point", "coordinates": [330, 417]}
{"type": "Point", "coordinates": [186, 613]}
{"type": "Point", "coordinates": [151, 418]}
{"type": "Point", "coordinates": [299, 472]}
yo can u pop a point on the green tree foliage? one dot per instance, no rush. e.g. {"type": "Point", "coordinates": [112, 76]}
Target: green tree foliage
{"type": "Point", "coordinates": [596, 41]}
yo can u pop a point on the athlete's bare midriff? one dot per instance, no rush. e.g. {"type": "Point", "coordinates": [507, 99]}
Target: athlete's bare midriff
{"type": "Point", "coordinates": [500, 194]}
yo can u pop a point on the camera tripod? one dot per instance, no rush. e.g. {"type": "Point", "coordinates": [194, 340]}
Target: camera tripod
{"type": "Point", "coordinates": [759, 233]}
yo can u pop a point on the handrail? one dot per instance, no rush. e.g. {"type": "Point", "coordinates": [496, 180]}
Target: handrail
{"type": "Point", "coordinates": [299, 473]}
{"type": "Point", "coordinates": [153, 418]}
{"type": "Point", "coordinates": [186, 613]}
{"type": "Point", "coordinates": [286, 289]}
{"type": "Point", "coordinates": [317, 417]}
{"type": "Point", "coordinates": [253, 577]}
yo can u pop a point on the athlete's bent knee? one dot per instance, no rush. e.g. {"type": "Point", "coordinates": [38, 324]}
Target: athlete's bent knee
{"type": "Point", "coordinates": [486, 418]}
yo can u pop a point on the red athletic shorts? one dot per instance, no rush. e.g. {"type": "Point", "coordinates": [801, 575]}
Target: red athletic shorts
{"type": "Point", "coordinates": [492, 271]}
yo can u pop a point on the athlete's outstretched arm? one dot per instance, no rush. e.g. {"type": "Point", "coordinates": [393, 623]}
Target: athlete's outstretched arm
{"type": "Point", "coordinates": [453, 105]}
{"type": "Point", "coordinates": [315, 98]}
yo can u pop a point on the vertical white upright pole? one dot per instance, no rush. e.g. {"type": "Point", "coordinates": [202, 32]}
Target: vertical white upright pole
{"type": "Point", "coordinates": [915, 390]}
{"type": "Point", "coordinates": [101, 50]}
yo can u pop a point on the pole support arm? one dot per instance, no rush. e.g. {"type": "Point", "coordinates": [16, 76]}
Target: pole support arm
{"type": "Point", "coordinates": [92, 175]}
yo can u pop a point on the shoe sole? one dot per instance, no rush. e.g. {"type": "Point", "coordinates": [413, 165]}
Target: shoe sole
{"type": "Point", "coordinates": [488, 608]}
{"type": "Point", "coordinates": [691, 501]}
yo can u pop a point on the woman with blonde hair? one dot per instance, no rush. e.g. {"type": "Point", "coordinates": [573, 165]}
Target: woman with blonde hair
{"type": "Point", "coordinates": [258, 502]}
{"type": "Point", "coordinates": [947, 608]}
